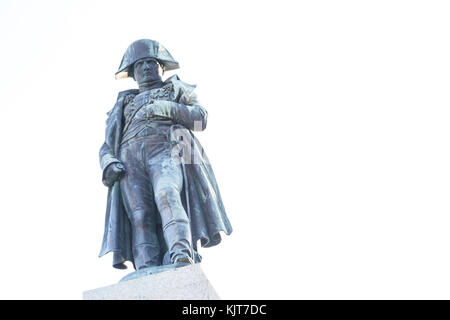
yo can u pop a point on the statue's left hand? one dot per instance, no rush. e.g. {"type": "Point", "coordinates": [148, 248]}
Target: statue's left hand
{"type": "Point", "coordinates": [113, 173]}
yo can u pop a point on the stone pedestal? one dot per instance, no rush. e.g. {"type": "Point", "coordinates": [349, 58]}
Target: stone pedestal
{"type": "Point", "coordinates": [185, 283]}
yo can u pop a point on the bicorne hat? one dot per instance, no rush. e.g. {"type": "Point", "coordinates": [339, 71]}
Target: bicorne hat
{"type": "Point", "coordinates": [145, 48]}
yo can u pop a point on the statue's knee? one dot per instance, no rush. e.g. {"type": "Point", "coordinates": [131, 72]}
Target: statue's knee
{"type": "Point", "coordinates": [167, 196]}
{"type": "Point", "coordinates": [139, 217]}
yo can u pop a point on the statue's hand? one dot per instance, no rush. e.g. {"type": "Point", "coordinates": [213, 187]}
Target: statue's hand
{"type": "Point", "coordinates": [160, 107]}
{"type": "Point", "coordinates": [114, 172]}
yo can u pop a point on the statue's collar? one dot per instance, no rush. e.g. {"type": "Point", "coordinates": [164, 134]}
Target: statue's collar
{"type": "Point", "coordinates": [136, 91]}
{"type": "Point", "coordinates": [171, 79]}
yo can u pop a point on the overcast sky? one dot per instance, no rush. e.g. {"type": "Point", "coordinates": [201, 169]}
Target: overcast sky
{"type": "Point", "coordinates": [328, 133]}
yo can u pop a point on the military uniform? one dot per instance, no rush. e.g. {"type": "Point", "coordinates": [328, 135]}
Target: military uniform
{"type": "Point", "coordinates": [168, 204]}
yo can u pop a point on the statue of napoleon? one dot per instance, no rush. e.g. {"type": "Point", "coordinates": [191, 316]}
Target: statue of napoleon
{"type": "Point", "coordinates": [163, 197]}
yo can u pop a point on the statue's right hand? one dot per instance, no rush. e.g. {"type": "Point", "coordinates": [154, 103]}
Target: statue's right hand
{"type": "Point", "coordinates": [114, 172]}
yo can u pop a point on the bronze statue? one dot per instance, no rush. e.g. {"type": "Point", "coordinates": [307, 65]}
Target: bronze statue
{"type": "Point", "coordinates": [163, 197]}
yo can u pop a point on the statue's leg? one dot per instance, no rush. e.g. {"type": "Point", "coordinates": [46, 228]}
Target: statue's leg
{"type": "Point", "coordinates": [167, 180]}
{"type": "Point", "coordinates": [141, 210]}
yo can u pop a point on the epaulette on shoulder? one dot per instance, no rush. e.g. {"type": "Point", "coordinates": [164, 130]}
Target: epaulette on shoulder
{"type": "Point", "coordinates": [181, 88]}
{"type": "Point", "coordinates": [127, 93]}
{"type": "Point", "coordinates": [124, 94]}
{"type": "Point", "coordinates": [128, 98]}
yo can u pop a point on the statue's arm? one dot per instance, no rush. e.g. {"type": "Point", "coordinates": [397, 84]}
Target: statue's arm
{"type": "Point", "coordinates": [188, 112]}
{"type": "Point", "coordinates": [109, 173]}
{"type": "Point", "coordinates": [107, 158]}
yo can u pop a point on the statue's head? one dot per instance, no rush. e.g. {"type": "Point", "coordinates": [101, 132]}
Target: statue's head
{"type": "Point", "coordinates": [145, 54]}
{"type": "Point", "coordinates": [147, 70]}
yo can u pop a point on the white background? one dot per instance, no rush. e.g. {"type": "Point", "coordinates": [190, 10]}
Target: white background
{"type": "Point", "coordinates": [328, 133]}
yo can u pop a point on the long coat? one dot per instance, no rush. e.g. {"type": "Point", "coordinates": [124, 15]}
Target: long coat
{"type": "Point", "coordinates": [200, 195]}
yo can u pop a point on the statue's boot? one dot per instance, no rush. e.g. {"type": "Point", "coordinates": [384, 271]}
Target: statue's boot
{"type": "Point", "coordinates": [176, 226]}
{"type": "Point", "coordinates": [177, 234]}
{"type": "Point", "coordinates": [146, 248]}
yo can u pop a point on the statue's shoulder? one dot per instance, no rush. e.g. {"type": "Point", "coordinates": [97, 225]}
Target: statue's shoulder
{"type": "Point", "coordinates": [126, 96]}
{"type": "Point", "coordinates": [180, 88]}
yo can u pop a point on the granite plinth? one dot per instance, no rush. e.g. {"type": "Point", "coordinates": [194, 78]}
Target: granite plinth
{"type": "Point", "coordinates": [183, 283]}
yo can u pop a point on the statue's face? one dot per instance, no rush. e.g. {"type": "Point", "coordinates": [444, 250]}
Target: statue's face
{"type": "Point", "coordinates": [147, 70]}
